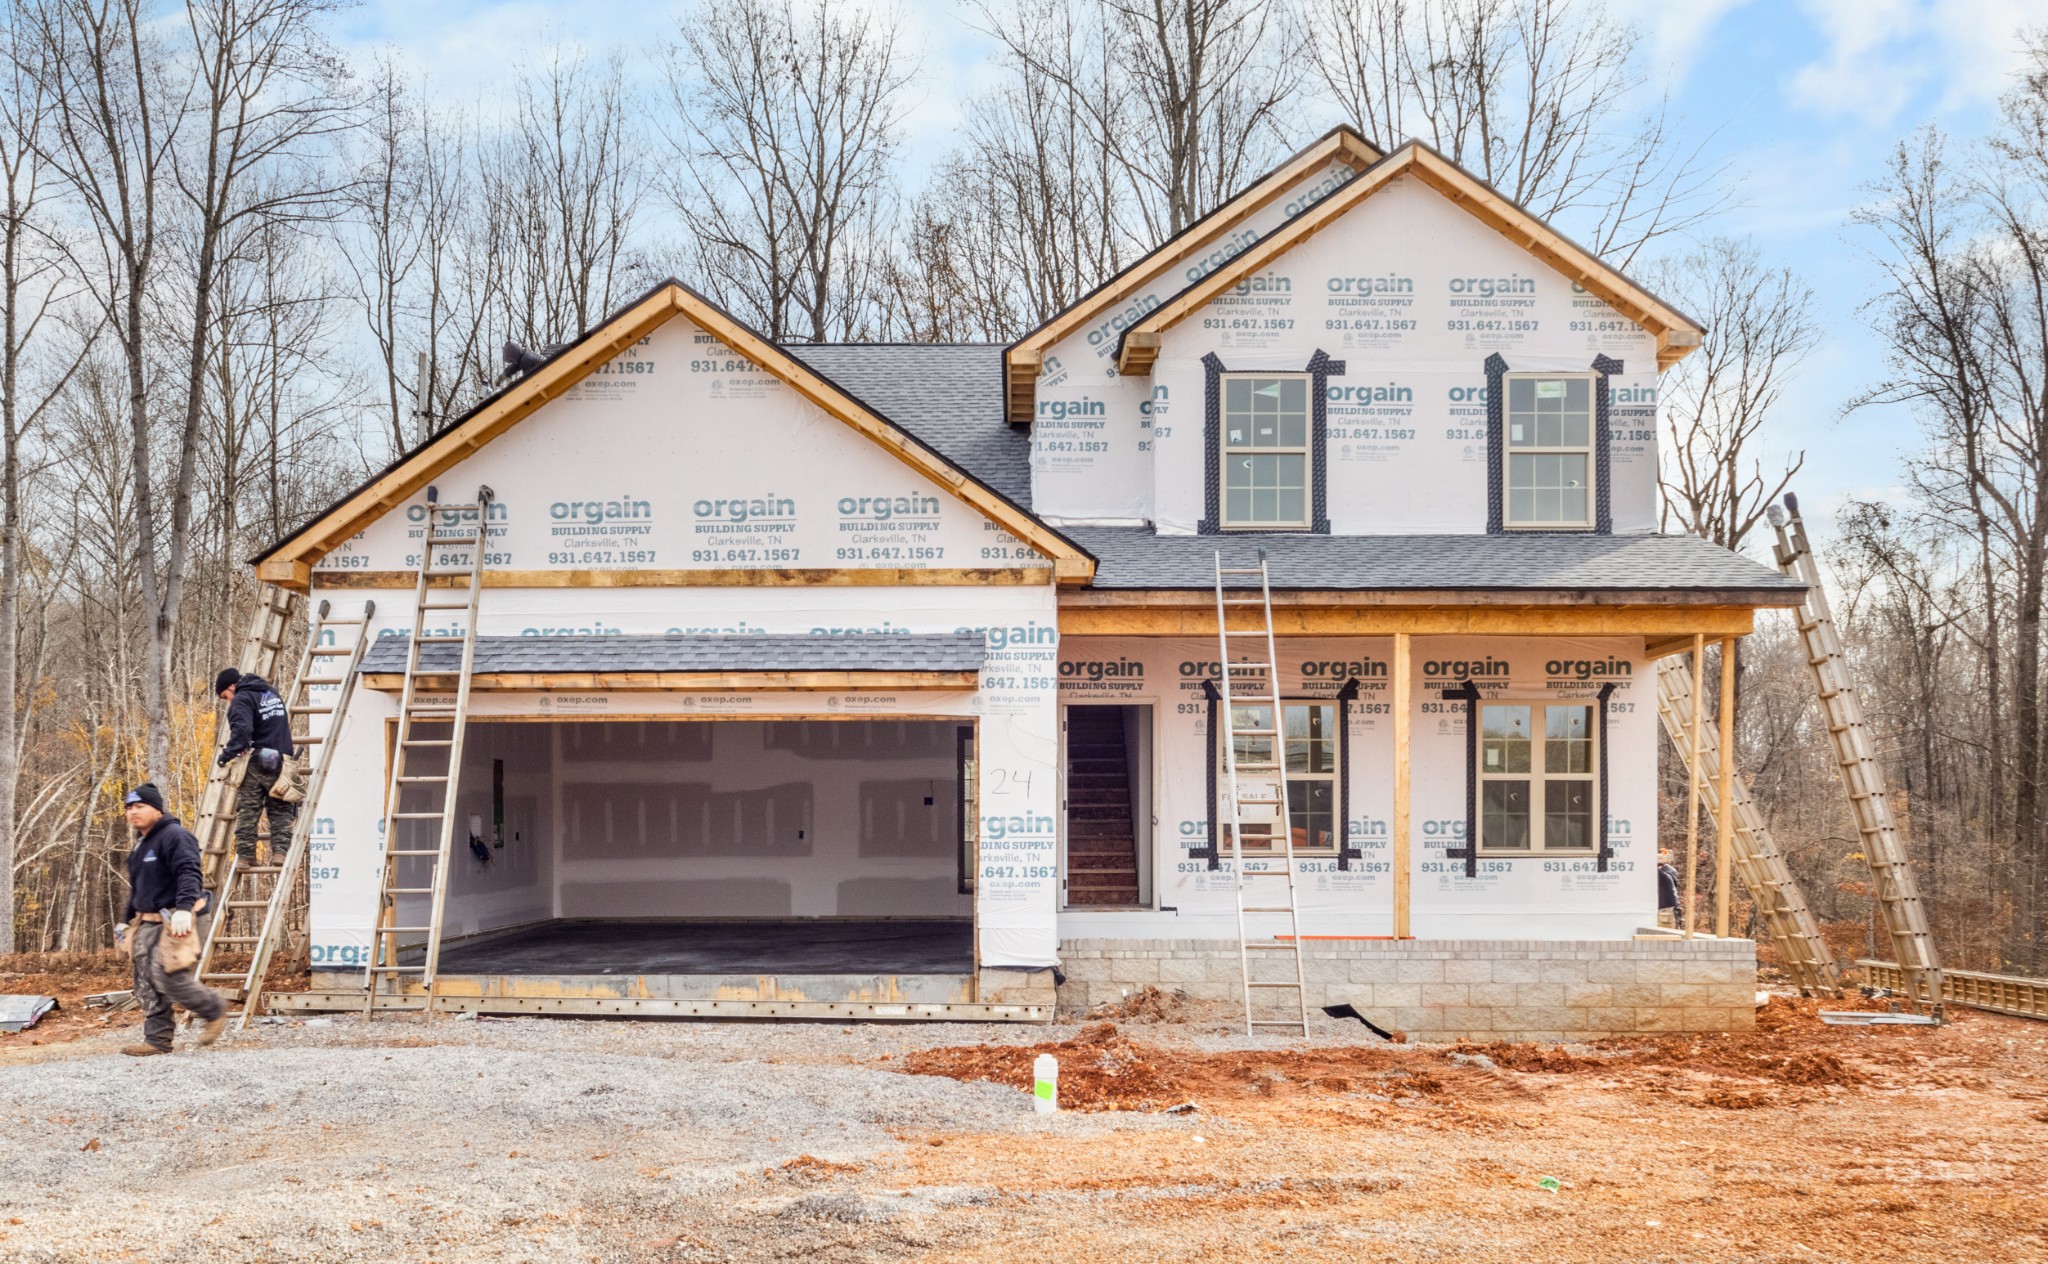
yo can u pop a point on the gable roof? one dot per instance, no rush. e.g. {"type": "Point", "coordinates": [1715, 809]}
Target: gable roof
{"type": "Point", "coordinates": [1676, 332]}
{"type": "Point", "coordinates": [1023, 357]}
{"type": "Point", "coordinates": [289, 562]}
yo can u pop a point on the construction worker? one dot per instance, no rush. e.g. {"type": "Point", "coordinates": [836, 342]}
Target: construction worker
{"type": "Point", "coordinates": [164, 888]}
{"type": "Point", "coordinates": [257, 723]}
{"type": "Point", "coordinates": [1670, 911]}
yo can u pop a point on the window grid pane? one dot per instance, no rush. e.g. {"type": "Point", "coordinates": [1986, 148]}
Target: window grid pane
{"type": "Point", "coordinates": [1265, 441]}
{"type": "Point", "coordinates": [1539, 791]}
{"type": "Point", "coordinates": [1553, 487]}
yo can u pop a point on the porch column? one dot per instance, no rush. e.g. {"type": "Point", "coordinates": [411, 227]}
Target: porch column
{"type": "Point", "coordinates": [1401, 727]}
{"type": "Point", "coordinates": [1724, 815]}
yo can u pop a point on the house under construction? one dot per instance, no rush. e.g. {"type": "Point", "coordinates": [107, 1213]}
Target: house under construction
{"type": "Point", "coordinates": [1282, 619]}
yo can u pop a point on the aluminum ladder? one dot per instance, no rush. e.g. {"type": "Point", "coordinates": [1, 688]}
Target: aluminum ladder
{"type": "Point", "coordinates": [262, 648]}
{"type": "Point", "coordinates": [1891, 869]}
{"type": "Point", "coordinates": [410, 869]}
{"type": "Point", "coordinates": [1753, 850]}
{"type": "Point", "coordinates": [1258, 666]}
{"type": "Point", "coordinates": [271, 887]}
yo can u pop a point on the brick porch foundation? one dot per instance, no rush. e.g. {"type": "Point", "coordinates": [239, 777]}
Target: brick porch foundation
{"type": "Point", "coordinates": [1457, 989]}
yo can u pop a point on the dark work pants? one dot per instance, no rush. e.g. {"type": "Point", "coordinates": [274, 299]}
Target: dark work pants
{"type": "Point", "coordinates": [253, 801]}
{"type": "Point", "coordinates": [155, 989]}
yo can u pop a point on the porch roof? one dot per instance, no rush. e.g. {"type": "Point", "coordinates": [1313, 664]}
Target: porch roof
{"type": "Point", "coordinates": [685, 653]}
{"type": "Point", "coordinates": [1135, 558]}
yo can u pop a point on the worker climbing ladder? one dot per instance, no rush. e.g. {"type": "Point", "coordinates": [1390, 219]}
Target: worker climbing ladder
{"type": "Point", "coordinates": [1891, 871]}
{"type": "Point", "coordinates": [1255, 777]}
{"type": "Point", "coordinates": [411, 872]}
{"type": "Point", "coordinates": [261, 649]}
{"type": "Point", "coordinates": [248, 888]}
{"type": "Point", "coordinates": [1754, 851]}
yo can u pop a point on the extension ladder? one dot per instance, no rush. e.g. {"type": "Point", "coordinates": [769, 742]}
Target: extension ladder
{"type": "Point", "coordinates": [1258, 747]}
{"type": "Point", "coordinates": [1753, 850]}
{"type": "Point", "coordinates": [410, 869]}
{"type": "Point", "coordinates": [1891, 869]}
{"type": "Point", "coordinates": [214, 826]}
{"type": "Point", "coordinates": [246, 888]}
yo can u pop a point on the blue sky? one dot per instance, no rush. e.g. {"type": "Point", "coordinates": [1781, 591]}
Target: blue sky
{"type": "Point", "coordinates": [1802, 98]}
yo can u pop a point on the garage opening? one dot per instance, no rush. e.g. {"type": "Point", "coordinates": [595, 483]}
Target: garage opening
{"type": "Point", "coordinates": [716, 856]}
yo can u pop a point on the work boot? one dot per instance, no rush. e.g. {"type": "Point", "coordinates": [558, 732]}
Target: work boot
{"type": "Point", "coordinates": [143, 1051]}
{"type": "Point", "coordinates": [211, 1032]}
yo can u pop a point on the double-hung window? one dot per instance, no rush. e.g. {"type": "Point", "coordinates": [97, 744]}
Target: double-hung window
{"type": "Point", "coordinates": [1550, 465]}
{"type": "Point", "coordinates": [1309, 739]}
{"type": "Point", "coordinates": [1538, 788]}
{"type": "Point", "coordinates": [1265, 437]}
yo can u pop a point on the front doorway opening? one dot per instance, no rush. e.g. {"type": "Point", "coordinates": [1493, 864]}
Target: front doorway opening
{"type": "Point", "coordinates": [1108, 806]}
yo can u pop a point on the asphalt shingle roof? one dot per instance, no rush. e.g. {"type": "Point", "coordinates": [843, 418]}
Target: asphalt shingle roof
{"type": "Point", "coordinates": [1132, 557]}
{"type": "Point", "coordinates": [950, 397]}
{"type": "Point", "coordinates": [855, 652]}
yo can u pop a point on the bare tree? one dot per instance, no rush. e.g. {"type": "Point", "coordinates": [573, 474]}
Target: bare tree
{"type": "Point", "coordinates": [1760, 325]}
{"type": "Point", "coordinates": [1530, 95]}
{"type": "Point", "coordinates": [1185, 98]}
{"type": "Point", "coordinates": [786, 133]}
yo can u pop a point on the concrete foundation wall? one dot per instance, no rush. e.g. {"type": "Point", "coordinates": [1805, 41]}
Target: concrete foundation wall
{"type": "Point", "coordinates": [1455, 989]}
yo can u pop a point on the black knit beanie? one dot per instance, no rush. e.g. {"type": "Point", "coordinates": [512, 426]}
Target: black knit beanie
{"type": "Point", "coordinates": [228, 676]}
{"type": "Point", "coordinates": [147, 793]}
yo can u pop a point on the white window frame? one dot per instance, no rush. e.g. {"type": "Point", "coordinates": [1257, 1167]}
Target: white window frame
{"type": "Point", "coordinates": [1538, 777]}
{"type": "Point", "coordinates": [1590, 450]}
{"type": "Point", "coordinates": [1306, 452]}
{"type": "Point", "coordinates": [1258, 845]}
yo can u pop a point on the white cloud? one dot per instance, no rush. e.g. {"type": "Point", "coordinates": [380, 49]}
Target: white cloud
{"type": "Point", "coordinates": [1676, 34]}
{"type": "Point", "coordinates": [1882, 55]}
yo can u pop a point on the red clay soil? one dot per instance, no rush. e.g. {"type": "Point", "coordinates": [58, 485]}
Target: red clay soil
{"type": "Point", "coordinates": [73, 976]}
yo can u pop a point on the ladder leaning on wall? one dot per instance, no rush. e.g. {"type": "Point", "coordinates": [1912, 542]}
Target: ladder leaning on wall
{"type": "Point", "coordinates": [214, 824]}
{"type": "Point", "coordinates": [1891, 869]}
{"type": "Point", "coordinates": [1753, 850]}
{"type": "Point", "coordinates": [1260, 750]}
{"type": "Point", "coordinates": [247, 888]}
{"type": "Point", "coordinates": [408, 869]}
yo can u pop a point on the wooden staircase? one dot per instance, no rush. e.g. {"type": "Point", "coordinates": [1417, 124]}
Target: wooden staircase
{"type": "Point", "coordinates": [1102, 841]}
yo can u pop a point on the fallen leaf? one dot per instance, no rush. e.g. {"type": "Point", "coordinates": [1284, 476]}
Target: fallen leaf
{"type": "Point", "coordinates": [93, 1144]}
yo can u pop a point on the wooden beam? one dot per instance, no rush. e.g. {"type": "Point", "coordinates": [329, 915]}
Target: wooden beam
{"type": "Point", "coordinates": [819, 578]}
{"type": "Point", "coordinates": [1724, 817]}
{"type": "Point", "coordinates": [1410, 598]}
{"type": "Point", "coordinates": [1643, 621]}
{"type": "Point", "coordinates": [1692, 789]}
{"type": "Point", "coordinates": [688, 682]}
{"type": "Point", "coordinates": [1402, 768]}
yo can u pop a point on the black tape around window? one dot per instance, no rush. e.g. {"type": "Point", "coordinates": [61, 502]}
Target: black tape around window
{"type": "Point", "coordinates": [1605, 368]}
{"type": "Point", "coordinates": [1606, 846]}
{"type": "Point", "coordinates": [1321, 368]}
{"type": "Point", "coordinates": [1212, 852]}
{"type": "Point", "coordinates": [1468, 693]}
{"type": "Point", "coordinates": [1603, 504]}
{"type": "Point", "coordinates": [1212, 470]}
{"type": "Point", "coordinates": [1345, 697]}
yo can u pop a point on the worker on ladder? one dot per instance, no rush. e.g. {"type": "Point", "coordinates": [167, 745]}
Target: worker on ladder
{"type": "Point", "coordinates": [259, 723]}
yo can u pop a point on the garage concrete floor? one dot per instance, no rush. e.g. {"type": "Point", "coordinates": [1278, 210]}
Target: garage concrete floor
{"type": "Point", "coordinates": [752, 947]}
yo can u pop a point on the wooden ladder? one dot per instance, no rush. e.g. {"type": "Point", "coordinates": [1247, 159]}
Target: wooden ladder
{"type": "Point", "coordinates": [214, 826]}
{"type": "Point", "coordinates": [1256, 746]}
{"type": "Point", "coordinates": [410, 869]}
{"type": "Point", "coordinates": [1753, 850]}
{"type": "Point", "coordinates": [1891, 869]}
{"type": "Point", "coordinates": [270, 887]}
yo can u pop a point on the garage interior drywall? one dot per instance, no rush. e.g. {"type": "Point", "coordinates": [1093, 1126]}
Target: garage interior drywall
{"type": "Point", "coordinates": [704, 819]}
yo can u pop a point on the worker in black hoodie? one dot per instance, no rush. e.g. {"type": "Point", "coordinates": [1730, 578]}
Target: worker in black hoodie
{"type": "Point", "coordinates": [164, 885]}
{"type": "Point", "coordinates": [258, 724]}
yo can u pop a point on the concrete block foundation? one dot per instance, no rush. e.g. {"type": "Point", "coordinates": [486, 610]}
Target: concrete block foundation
{"type": "Point", "coordinates": [1463, 989]}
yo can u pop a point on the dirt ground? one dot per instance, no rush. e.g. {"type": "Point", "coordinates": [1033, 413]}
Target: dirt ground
{"type": "Point", "coordinates": [556, 1140]}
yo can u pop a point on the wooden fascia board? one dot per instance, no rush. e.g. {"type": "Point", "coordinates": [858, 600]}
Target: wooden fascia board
{"type": "Point", "coordinates": [1675, 333]}
{"type": "Point", "coordinates": [896, 442]}
{"type": "Point", "coordinates": [1339, 144]}
{"type": "Point", "coordinates": [319, 538]}
{"type": "Point", "coordinates": [1649, 622]}
{"type": "Point", "coordinates": [1432, 598]}
{"type": "Point", "coordinates": [676, 682]}
{"type": "Point", "coordinates": [821, 577]}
